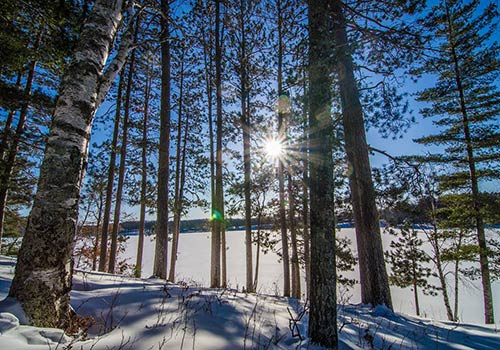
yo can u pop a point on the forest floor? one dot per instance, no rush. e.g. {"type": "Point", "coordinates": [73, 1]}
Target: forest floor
{"type": "Point", "coordinates": [142, 314]}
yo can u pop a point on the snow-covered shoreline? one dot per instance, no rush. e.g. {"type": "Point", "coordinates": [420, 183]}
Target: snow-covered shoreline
{"type": "Point", "coordinates": [193, 268]}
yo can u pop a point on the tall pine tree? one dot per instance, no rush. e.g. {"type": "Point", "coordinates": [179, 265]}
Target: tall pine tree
{"type": "Point", "coordinates": [465, 105]}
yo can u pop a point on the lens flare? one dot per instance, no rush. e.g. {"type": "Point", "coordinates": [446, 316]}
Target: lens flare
{"type": "Point", "coordinates": [273, 148]}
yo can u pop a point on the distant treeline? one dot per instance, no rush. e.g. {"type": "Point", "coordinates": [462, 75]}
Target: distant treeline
{"type": "Point", "coordinates": [197, 225]}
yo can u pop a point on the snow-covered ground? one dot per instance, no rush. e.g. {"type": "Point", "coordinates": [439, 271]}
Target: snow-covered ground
{"type": "Point", "coordinates": [193, 266]}
{"type": "Point", "coordinates": [144, 314]}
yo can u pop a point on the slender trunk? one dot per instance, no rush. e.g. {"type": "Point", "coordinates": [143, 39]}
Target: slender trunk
{"type": "Point", "coordinates": [296, 290]}
{"type": "Point", "coordinates": [218, 211]}
{"type": "Point", "coordinates": [442, 282]}
{"type": "Point", "coordinates": [415, 286]}
{"type": "Point", "coordinates": [97, 233]}
{"type": "Point", "coordinates": [455, 313]}
{"type": "Point", "coordinates": [161, 249]}
{"type": "Point", "coordinates": [323, 294]}
{"type": "Point", "coordinates": [42, 281]}
{"type": "Point", "coordinates": [489, 317]}
{"type": "Point", "coordinates": [373, 276]}
{"type": "Point", "coordinates": [415, 296]}
{"type": "Point", "coordinates": [123, 157]}
{"type": "Point", "coordinates": [177, 194]}
{"type": "Point", "coordinates": [208, 65]}
{"type": "Point", "coordinates": [111, 178]}
{"type": "Point", "coordinates": [248, 205]}
{"type": "Point", "coordinates": [144, 178]}
{"type": "Point", "coordinates": [8, 123]}
{"type": "Point", "coordinates": [223, 252]}
{"type": "Point", "coordinates": [444, 290]}
{"type": "Point", "coordinates": [246, 126]}
{"type": "Point", "coordinates": [257, 255]}
{"type": "Point", "coordinates": [182, 183]}
{"type": "Point", "coordinates": [6, 134]}
{"type": "Point", "coordinates": [121, 176]}
{"type": "Point", "coordinates": [10, 158]}
{"type": "Point", "coordinates": [439, 265]}
{"type": "Point", "coordinates": [281, 177]}
{"type": "Point", "coordinates": [457, 271]}
{"type": "Point", "coordinates": [305, 199]}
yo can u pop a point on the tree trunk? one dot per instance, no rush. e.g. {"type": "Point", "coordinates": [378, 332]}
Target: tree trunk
{"type": "Point", "coordinates": [218, 211]}
{"type": "Point", "coordinates": [415, 296]}
{"type": "Point", "coordinates": [223, 253]}
{"type": "Point", "coordinates": [42, 280]}
{"type": "Point", "coordinates": [373, 276]}
{"type": "Point", "coordinates": [305, 202]}
{"type": "Point", "coordinates": [296, 290]}
{"type": "Point", "coordinates": [177, 192]}
{"type": "Point", "coordinates": [10, 158]}
{"type": "Point", "coordinates": [8, 123]}
{"type": "Point", "coordinates": [144, 178]}
{"type": "Point", "coordinates": [442, 282]}
{"type": "Point", "coordinates": [415, 287]}
{"type": "Point", "coordinates": [97, 232]}
{"type": "Point", "coordinates": [111, 178]}
{"type": "Point", "coordinates": [457, 271]}
{"type": "Point", "coordinates": [439, 267]}
{"type": "Point", "coordinates": [209, 86]}
{"type": "Point", "coordinates": [247, 165]}
{"type": "Point", "coordinates": [121, 173]}
{"type": "Point", "coordinates": [281, 177]}
{"type": "Point", "coordinates": [123, 157]}
{"type": "Point", "coordinates": [6, 131]}
{"type": "Point", "coordinates": [323, 294]}
{"type": "Point", "coordinates": [257, 255]}
{"type": "Point", "coordinates": [161, 249]}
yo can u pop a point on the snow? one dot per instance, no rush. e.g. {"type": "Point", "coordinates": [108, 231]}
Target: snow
{"type": "Point", "coordinates": [143, 314]}
{"type": "Point", "coordinates": [193, 267]}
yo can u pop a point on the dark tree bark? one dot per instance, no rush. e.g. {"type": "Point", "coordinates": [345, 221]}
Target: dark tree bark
{"type": "Point", "coordinates": [223, 253]}
{"type": "Point", "coordinates": [218, 210]}
{"type": "Point", "coordinates": [257, 254]}
{"type": "Point", "coordinates": [103, 256]}
{"type": "Point", "coordinates": [121, 170]}
{"type": "Point", "coordinates": [98, 231]}
{"type": "Point", "coordinates": [281, 176]}
{"type": "Point", "coordinates": [323, 294]}
{"type": "Point", "coordinates": [161, 229]}
{"type": "Point", "coordinates": [144, 177]}
{"type": "Point", "coordinates": [12, 149]}
{"type": "Point", "coordinates": [296, 290]}
{"type": "Point", "coordinates": [208, 62]}
{"type": "Point", "coordinates": [178, 171]}
{"type": "Point", "coordinates": [305, 198]}
{"type": "Point", "coordinates": [247, 165]}
{"type": "Point", "coordinates": [8, 123]}
{"type": "Point", "coordinates": [182, 182]}
{"type": "Point", "coordinates": [437, 259]}
{"type": "Point", "coordinates": [42, 280]}
{"type": "Point", "coordinates": [123, 156]}
{"type": "Point", "coordinates": [373, 276]}
{"type": "Point", "coordinates": [415, 293]}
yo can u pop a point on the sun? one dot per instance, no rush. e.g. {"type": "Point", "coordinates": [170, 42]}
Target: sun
{"type": "Point", "coordinates": [273, 148]}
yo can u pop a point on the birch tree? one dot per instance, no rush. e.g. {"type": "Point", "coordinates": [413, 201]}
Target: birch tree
{"type": "Point", "coordinates": [42, 280]}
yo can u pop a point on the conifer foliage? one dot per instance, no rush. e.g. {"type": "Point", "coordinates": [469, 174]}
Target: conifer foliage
{"type": "Point", "coordinates": [465, 104]}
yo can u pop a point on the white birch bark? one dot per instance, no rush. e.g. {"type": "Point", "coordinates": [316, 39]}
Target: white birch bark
{"type": "Point", "coordinates": [42, 281]}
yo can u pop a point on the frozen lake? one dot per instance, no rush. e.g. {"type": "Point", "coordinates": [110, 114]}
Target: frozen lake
{"type": "Point", "coordinates": [193, 265]}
